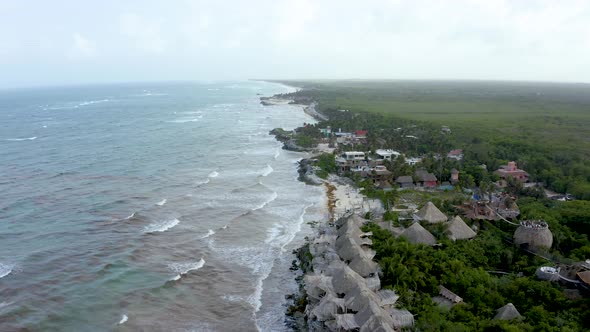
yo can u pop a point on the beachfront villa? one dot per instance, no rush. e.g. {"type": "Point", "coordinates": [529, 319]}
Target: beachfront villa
{"type": "Point", "coordinates": [511, 171]}
{"type": "Point", "coordinates": [351, 160]}
{"type": "Point", "coordinates": [386, 154]}
{"type": "Point", "coordinates": [454, 176]}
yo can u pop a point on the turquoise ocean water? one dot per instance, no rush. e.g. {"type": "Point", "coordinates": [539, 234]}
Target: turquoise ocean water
{"type": "Point", "coordinates": [155, 207]}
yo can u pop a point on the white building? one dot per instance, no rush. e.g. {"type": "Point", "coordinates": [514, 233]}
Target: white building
{"type": "Point", "coordinates": [413, 161]}
{"type": "Point", "coordinates": [387, 154]}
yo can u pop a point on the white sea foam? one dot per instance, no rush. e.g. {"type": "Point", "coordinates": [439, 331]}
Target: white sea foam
{"type": "Point", "coordinates": [224, 227]}
{"type": "Point", "coordinates": [185, 120]}
{"type": "Point", "coordinates": [267, 170]}
{"type": "Point", "coordinates": [162, 202]}
{"type": "Point", "coordinates": [5, 269]}
{"type": "Point", "coordinates": [22, 139]}
{"type": "Point", "coordinates": [209, 233]}
{"type": "Point", "coordinates": [277, 153]}
{"type": "Point", "coordinates": [124, 318]}
{"type": "Point", "coordinates": [4, 304]}
{"type": "Point", "coordinates": [161, 226]}
{"type": "Point", "coordinates": [203, 182]}
{"type": "Point", "coordinates": [130, 216]}
{"type": "Point", "coordinates": [90, 102]}
{"type": "Point", "coordinates": [44, 126]}
{"type": "Point", "coordinates": [213, 174]}
{"type": "Point", "coordinates": [184, 268]}
{"type": "Point", "coordinates": [272, 197]}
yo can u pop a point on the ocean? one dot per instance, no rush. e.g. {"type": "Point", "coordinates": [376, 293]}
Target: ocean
{"type": "Point", "coordinates": [154, 207]}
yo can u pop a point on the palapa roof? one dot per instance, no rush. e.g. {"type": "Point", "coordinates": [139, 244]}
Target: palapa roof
{"type": "Point", "coordinates": [359, 298]}
{"type": "Point", "coordinates": [584, 276]}
{"type": "Point", "coordinates": [345, 322]}
{"type": "Point", "coordinates": [378, 323]}
{"type": "Point", "coordinates": [401, 317]}
{"type": "Point", "coordinates": [458, 230]}
{"type": "Point", "coordinates": [347, 248]}
{"type": "Point", "coordinates": [344, 279]}
{"type": "Point", "coordinates": [507, 312]}
{"type": "Point", "coordinates": [365, 313]}
{"type": "Point", "coordinates": [317, 285]}
{"type": "Point", "coordinates": [388, 297]}
{"type": "Point", "coordinates": [363, 265]}
{"type": "Point", "coordinates": [431, 214]}
{"type": "Point", "coordinates": [446, 293]}
{"type": "Point", "coordinates": [328, 308]}
{"type": "Point", "coordinates": [418, 235]}
{"type": "Point", "coordinates": [535, 237]}
{"type": "Point", "coordinates": [404, 179]}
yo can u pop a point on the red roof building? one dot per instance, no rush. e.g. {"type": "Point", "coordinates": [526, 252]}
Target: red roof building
{"type": "Point", "coordinates": [361, 133]}
{"type": "Point", "coordinates": [512, 171]}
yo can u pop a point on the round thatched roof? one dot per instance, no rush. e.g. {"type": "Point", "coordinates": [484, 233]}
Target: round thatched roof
{"type": "Point", "coordinates": [431, 214]}
{"type": "Point", "coordinates": [508, 312]}
{"type": "Point", "coordinates": [345, 279]}
{"type": "Point", "coordinates": [418, 234]}
{"type": "Point", "coordinates": [328, 308]}
{"type": "Point", "coordinates": [536, 234]}
{"type": "Point", "coordinates": [358, 298]}
{"type": "Point", "coordinates": [363, 265]}
{"type": "Point", "coordinates": [458, 230]}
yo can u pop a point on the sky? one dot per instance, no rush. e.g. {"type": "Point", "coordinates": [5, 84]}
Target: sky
{"type": "Point", "coordinates": [63, 42]}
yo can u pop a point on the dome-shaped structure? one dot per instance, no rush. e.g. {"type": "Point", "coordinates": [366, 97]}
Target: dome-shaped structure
{"type": "Point", "coordinates": [547, 273]}
{"type": "Point", "coordinates": [535, 233]}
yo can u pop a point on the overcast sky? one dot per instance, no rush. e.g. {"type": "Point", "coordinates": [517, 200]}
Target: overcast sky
{"type": "Point", "coordinates": [67, 42]}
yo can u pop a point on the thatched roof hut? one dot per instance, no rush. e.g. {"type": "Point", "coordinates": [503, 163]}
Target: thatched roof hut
{"type": "Point", "coordinates": [401, 317]}
{"type": "Point", "coordinates": [535, 234]}
{"type": "Point", "coordinates": [507, 312]}
{"type": "Point", "coordinates": [458, 230]}
{"type": "Point", "coordinates": [430, 213]}
{"type": "Point", "coordinates": [328, 308]}
{"type": "Point", "coordinates": [317, 285]}
{"type": "Point", "coordinates": [365, 313]}
{"type": "Point", "coordinates": [363, 265]}
{"type": "Point", "coordinates": [418, 235]}
{"type": "Point", "coordinates": [388, 297]}
{"type": "Point", "coordinates": [344, 322]}
{"type": "Point", "coordinates": [345, 279]}
{"type": "Point", "coordinates": [378, 323]}
{"type": "Point", "coordinates": [359, 298]}
{"type": "Point", "coordinates": [347, 248]}
{"type": "Point", "coordinates": [447, 294]}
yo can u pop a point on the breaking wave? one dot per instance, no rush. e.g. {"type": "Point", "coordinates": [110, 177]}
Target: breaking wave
{"type": "Point", "coordinates": [213, 174]}
{"type": "Point", "coordinates": [267, 170]}
{"type": "Point", "coordinates": [162, 202]}
{"type": "Point", "coordinates": [22, 139]}
{"type": "Point", "coordinates": [209, 233]}
{"type": "Point", "coordinates": [273, 196]}
{"type": "Point", "coordinates": [5, 270]}
{"type": "Point", "coordinates": [124, 318]}
{"type": "Point", "coordinates": [184, 268]}
{"type": "Point", "coordinates": [161, 226]}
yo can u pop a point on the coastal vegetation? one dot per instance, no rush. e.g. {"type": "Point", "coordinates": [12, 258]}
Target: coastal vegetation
{"type": "Point", "coordinates": [546, 127]}
{"type": "Point", "coordinates": [468, 269]}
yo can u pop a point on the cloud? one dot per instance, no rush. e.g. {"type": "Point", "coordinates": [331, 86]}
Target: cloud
{"type": "Point", "coordinates": [82, 47]}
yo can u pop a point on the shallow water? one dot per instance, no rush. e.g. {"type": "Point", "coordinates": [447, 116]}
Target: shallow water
{"type": "Point", "coordinates": [155, 207]}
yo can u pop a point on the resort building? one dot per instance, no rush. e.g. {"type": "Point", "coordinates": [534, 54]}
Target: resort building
{"type": "Point", "coordinates": [512, 171]}
{"type": "Point", "coordinates": [454, 176]}
{"type": "Point", "coordinates": [351, 160]}
{"type": "Point", "coordinates": [386, 154]}
{"type": "Point", "coordinates": [405, 181]}
{"type": "Point", "coordinates": [413, 161]}
{"type": "Point", "coordinates": [425, 179]}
